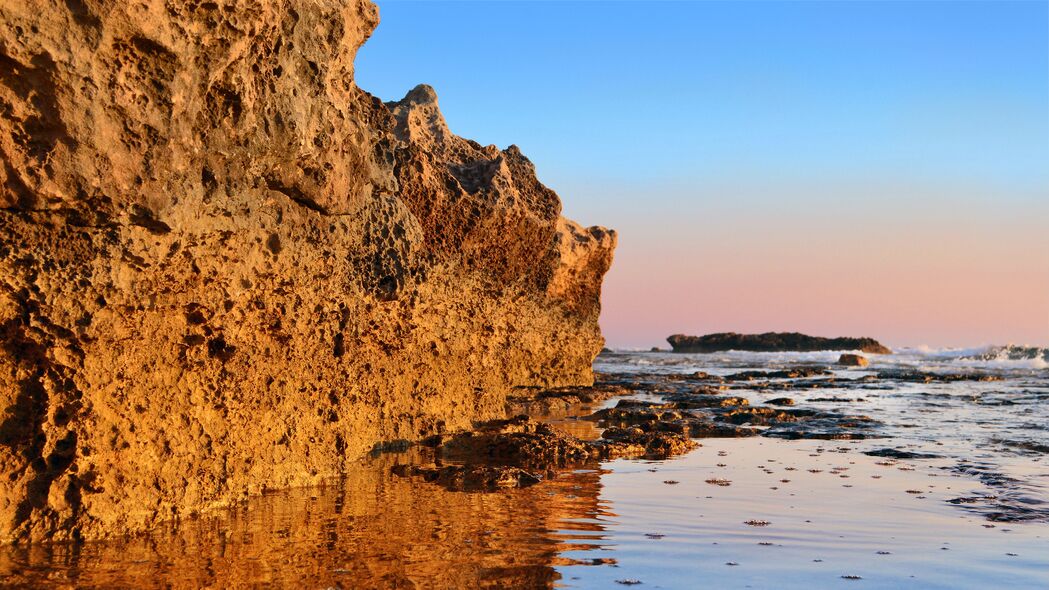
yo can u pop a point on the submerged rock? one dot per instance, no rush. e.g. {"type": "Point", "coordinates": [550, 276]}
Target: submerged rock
{"type": "Point", "coordinates": [899, 454]}
{"type": "Point", "coordinates": [794, 373]}
{"type": "Point", "coordinates": [772, 342]}
{"type": "Point", "coordinates": [467, 478]}
{"type": "Point", "coordinates": [225, 268]}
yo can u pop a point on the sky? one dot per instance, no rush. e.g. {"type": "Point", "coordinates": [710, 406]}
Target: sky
{"type": "Point", "coordinates": [840, 168]}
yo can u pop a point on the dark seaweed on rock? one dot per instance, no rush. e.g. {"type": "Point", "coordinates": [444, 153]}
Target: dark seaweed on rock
{"type": "Point", "coordinates": [911, 376]}
{"type": "Point", "coordinates": [794, 373]}
{"type": "Point", "coordinates": [827, 427]}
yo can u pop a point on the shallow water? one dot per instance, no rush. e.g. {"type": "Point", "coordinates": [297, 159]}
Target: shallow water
{"type": "Point", "coordinates": [997, 431]}
{"type": "Point", "coordinates": [831, 511]}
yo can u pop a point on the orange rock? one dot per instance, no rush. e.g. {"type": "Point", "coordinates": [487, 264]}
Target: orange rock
{"type": "Point", "coordinates": [225, 268]}
{"type": "Point", "coordinates": [853, 360]}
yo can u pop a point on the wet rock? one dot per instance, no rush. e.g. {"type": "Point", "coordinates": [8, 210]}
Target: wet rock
{"type": "Point", "coordinates": [930, 377]}
{"type": "Point", "coordinates": [772, 342]}
{"type": "Point", "coordinates": [899, 454]}
{"type": "Point", "coordinates": [709, 429]}
{"type": "Point", "coordinates": [633, 442]}
{"type": "Point", "coordinates": [826, 427]}
{"type": "Point", "coordinates": [698, 376]}
{"type": "Point", "coordinates": [781, 401]}
{"type": "Point", "coordinates": [625, 416]}
{"type": "Point", "coordinates": [509, 453]}
{"type": "Point", "coordinates": [693, 402]}
{"type": "Point", "coordinates": [761, 416]}
{"type": "Point", "coordinates": [471, 477]}
{"type": "Point", "coordinates": [971, 499]}
{"type": "Point", "coordinates": [794, 373]}
{"type": "Point", "coordinates": [853, 360]}
{"type": "Point", "coordinates": [560, 400]}
{"type": "Point", "coordinates": [518, 441]}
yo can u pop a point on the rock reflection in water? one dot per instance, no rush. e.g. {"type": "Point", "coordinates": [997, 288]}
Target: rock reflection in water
{"type": "Point", "coordinates": [369, 529]}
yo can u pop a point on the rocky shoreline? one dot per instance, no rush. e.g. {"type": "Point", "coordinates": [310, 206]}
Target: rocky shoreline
{"type": "Point", "coordinates": [656, 416]}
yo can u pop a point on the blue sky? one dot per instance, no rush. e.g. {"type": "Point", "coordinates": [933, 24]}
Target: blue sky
{"type": "Point", "coordinates": [639, 112]}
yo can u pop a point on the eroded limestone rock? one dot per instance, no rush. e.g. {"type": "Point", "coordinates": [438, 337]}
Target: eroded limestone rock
{"type": "Point", "coordinates": [225, 268]}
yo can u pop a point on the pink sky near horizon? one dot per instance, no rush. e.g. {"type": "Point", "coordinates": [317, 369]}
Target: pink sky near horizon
{"type": "Point", "coordinates": [910, 269]}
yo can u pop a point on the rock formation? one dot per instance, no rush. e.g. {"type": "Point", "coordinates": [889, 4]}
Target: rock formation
{"type": "Point", "coordinates": [772, 342]}
{"type": "Point", "coordinates": [224, 268]}
{"type": "Point", "coordinates": [853, 360]}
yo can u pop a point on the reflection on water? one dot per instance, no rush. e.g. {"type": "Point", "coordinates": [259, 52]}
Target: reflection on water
{"type": "Point", "coordinates": [822, 510]}
{"type": "Point", "coordinates": [367, 530]}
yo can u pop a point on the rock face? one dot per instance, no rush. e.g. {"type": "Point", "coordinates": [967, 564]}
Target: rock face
{"type": "Point", "coordinates": [853, 360]}
{"type": "Point", "coordinates": [224, 268]}
{"type": "Point", "coordinates": [772, 342]}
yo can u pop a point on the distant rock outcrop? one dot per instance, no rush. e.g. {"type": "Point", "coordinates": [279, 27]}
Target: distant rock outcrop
{"type": "Point", "coordinates": [772, 342]}
{"type": "Point", "coordinates": [224, 268]}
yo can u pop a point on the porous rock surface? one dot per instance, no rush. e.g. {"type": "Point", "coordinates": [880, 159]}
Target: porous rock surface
{"type": "Point", "coordinates": [225, 268]}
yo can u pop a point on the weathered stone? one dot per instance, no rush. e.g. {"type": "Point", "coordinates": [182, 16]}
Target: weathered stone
{"type": "Point", "coordinates": [853, 360]}
{"type": "Point", "coordinates": [225, 268]}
